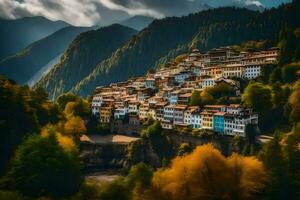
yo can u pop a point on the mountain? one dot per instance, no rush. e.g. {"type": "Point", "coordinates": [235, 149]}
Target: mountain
{"type": "Point", "coordinates": [137, 22]}
{"type": "Point", "coordinates": [86, 50]}
{"type": "Point", "coordinates": [17, 34]}
{"type": "Point", "coordinates": [164, 39]}
{"type": "Point", "coordinates": [23, 65]}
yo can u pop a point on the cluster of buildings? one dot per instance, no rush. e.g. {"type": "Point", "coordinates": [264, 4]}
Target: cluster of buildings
{"type": "Point", "coordinates": [165, 95]}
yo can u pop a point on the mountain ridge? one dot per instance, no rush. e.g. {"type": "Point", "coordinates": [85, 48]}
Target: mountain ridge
{"type": "Point", "coordinates": [19, 33]}
{"type": "Point", "coordinates": [24, 64]}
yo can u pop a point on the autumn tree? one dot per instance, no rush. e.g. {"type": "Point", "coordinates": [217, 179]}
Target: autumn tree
{"type": "Point", "coordinates": [65, 98]}
{"type": "Point", "coordinates": [80, 108]}
{"type": "Point", "coordinates": [294, 104]}
{"type": "Point", "coordinates": [207, 174]}
{"type": "Point", "coordinates": [75, 127]}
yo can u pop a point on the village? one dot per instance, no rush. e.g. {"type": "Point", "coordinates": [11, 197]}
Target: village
{"type": "Point", "coordinates": [165, 95]}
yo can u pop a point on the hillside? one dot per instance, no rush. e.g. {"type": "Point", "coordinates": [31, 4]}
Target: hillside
{"type": "Point", "coordinates": [137, 22]}
{"type": "Point", "coordinates": [164, 39]}
{"type": "Point", "coordinates": [204, 30]}
{"type": "Point", "coordinates": [17, 34]}
{"type": "Point", "coordinates": [23, 65]}
{"type": "Point", "coordinates": [82, 55]}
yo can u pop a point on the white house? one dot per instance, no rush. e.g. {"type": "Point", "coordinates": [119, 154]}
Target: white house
{"type": "Point", "coordinates": [96, 104]}
{"type": "Point", "coordinates": [252, 71]}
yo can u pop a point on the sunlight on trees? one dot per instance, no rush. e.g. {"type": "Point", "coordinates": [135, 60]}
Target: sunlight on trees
{"type": "Point", "coordinates": [207, 174]}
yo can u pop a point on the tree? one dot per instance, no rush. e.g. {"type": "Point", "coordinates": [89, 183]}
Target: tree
{"type": "Point", "coordinates": [184, 148]}
{"type": "Point", "coordinates": [294, 100]}
{"type": "Point", "coordinates": [75, 127]}
{"type": "Point", "coordinates": [64, 99]}
{"type": "Point", "coordinates": [195, 99]}
{"type": "Point", "coordinates": [140, 175]}
{"type": "Point", "coordinates": [41, 167]}
{"type": "Point", "coordinates": [258, 97]}
{"type": "Point", "coordinates": [275, 75]}
{"type": "Point", "coordinates": [159, 142]}
{"type": "Point", "coordinates": [220, 90]}
{"type": "Point", "coordinates": [290, 73]}
{"type": "Point", "coordinates": [292, 153]}
{"type": "Point", "coordinates": [266, 71]}
{"type": "Point", "coordinates": [277, 95]}
{"type": "Point", "coordinates": [206, 98]}
{"type": "Point", "coordinates": [207, 174]}
{"type": "Point", "coordinates": [275, 164]}
{"type": "Point", "coordinates": [80, 108]}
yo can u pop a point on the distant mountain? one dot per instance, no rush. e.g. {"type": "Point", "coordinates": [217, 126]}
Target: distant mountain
{"type": "Point", "coordinates": [23, 65]}
{"type": "Point", "coordinates": [164, 39]}
{"type": "Point", "coordinates": [83, 54]}
{"type": "Point", "coordinates": [17, 34]}
{"type": "Point", "coordinates": [137, 22]}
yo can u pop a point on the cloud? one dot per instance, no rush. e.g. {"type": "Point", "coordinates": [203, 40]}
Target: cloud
{"type": "Point", "coordinates": [81, 12]}
{"type": "Point", "coordinates": [134, 8]}
{"type": "Point", "coordinates": [91, 12]}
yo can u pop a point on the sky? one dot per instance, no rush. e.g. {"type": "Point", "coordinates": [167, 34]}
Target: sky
{"type": "Point", "coordinates": [104, 12]}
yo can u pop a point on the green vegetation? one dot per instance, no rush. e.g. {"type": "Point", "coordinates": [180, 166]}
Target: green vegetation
{"type": "Point", "coordinates": [82, 55]}
{"type": "Point", "coordinates": [42, 167]}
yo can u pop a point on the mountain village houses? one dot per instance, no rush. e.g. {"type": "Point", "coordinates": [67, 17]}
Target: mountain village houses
{"type": "Point", "coordinates": [165, 94]}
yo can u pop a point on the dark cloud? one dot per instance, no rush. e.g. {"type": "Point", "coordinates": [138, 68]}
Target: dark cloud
{"type": "Point", "coordinates": [91, 12]}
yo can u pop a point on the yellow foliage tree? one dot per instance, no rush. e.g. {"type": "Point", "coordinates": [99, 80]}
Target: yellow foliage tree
{"type": "Point", "coordinates": [66, 142]}
{"type": "Point", "coordinates": [207, 174]}
{"type": "Point", "coordinates": [75, 127]}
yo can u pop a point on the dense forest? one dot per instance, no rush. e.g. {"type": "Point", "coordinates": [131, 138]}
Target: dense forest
{"type": "Point", "coordinates": [82, 55]}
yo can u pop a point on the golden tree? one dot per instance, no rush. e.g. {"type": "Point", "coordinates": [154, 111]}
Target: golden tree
{"type": "Point", "coordinates": [207, 174]}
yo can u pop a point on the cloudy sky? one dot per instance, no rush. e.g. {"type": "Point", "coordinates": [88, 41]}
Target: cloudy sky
{"type": "Point", "coordinates": [103, 12]}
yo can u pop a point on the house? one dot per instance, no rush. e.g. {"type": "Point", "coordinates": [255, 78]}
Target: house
{"type": "Point", "coordinates": [196, 119]}
{"type": "Point", "coordinates": [166, 124]}
{"type": "Point", "coordinates": [215, 108]}
{"type": "Point", "coordinates": [184, 99]}
{"type": "Point", "coordinates": [169, 113]}
{"type": "Point", "coordinates": [179, 114]}
{"type": "Point", "coordinates": [159, 110]}
{"type": "Point", "coordinates": [174, 97]}
{"type": "Point", "coordinates": [206, 120]}
{"type": "Point", "coordinates": [252, 71]}
{"type": "Point", "coordinates": [181, 76]}
{"type": "Point", "coordinates": [133, 107]}
{"type": "Point", "coordinates": [120, 112]}
{"type": "Point", "coordinates": [143, 111]}
{"type": "Point", "coordinates": [188, 115]}
{"type": "Point", "coordinates": [150, 83]}
{"type": "Point", "coordinates": [96, 104]}
{"type": "Point", "coordinates": [218, 122]}
{"type": "Point", "coordinates": [234, 69]}
{"type": "Point", "coordinates": [229, 124]}
{"type": "Point", "coordinates": [208, 82]}
{"type": "Point", "coordinates": [106, 113]}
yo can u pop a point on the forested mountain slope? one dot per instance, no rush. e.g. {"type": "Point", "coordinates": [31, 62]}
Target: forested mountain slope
{"type": "Point", "coordinates": [23, 65]}
{"type": "Point", "coordinates": [82, 55]}
{"type": "Point", "coordinates": [17, 34]}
